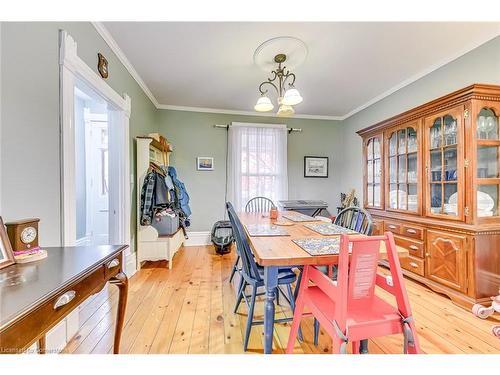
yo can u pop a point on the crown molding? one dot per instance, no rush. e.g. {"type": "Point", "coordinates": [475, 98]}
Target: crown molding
{"type": "Point", "coordinates": [245, 113]}
{"type": "Point", "coordinates": [417, 76]}
{"type": "Point", "coordinates": [111, 42]}
{"type": "Point", "coordinates": [105, 34]}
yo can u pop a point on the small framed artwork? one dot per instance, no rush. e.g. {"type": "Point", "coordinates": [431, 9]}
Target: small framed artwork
{"type": "Point", "coordinates": [316, 166]}
{"type": "Point", "coordinates": [6, 253]}
{"type": "Point", "coordinates": [204, 163]}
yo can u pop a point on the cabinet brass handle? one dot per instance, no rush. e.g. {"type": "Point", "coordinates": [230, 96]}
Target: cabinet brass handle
{"type": "Point", "coordinates": [413, 231]}
{"type": "Point", "coordinates": [413, 247]}
{"type": "Point", "coordinates": [115, 262]}
{"type": "Point", "coordinates": [414, 265]}
{"type": "Point", "coordinates": [392, 226]}
{"type": "Point", "coordinates": [427, 254]}
{"type": "Point", "coordinates": [64, 299]}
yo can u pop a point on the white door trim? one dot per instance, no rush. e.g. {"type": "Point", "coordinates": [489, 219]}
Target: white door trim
{"type": "Point", "coordinates": [72, 67]}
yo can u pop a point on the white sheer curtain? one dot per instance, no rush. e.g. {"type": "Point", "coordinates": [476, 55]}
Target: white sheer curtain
{"type": "Point", "coordinates": [257, 163]}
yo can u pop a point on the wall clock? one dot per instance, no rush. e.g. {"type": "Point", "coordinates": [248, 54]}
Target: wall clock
{"type": "Point", "coordinates": [102, 66]}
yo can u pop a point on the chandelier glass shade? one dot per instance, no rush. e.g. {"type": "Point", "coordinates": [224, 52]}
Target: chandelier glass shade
{"type": "Point", "coordinates": [283, 82]}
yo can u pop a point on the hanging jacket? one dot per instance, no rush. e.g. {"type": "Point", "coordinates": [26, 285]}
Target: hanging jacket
{"type": "Point", "coordinates": [147, 199]}
{"type": "Point", "coordinates": [181, 195]}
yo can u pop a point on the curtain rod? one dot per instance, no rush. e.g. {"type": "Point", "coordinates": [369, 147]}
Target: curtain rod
{"type": "Point", "coordinates": [298, 130]}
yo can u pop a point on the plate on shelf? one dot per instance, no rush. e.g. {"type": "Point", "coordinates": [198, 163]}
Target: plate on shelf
{"type": "Point", "coordinates": [484, 201]}
{"type": "Point", "coordinates": [393, 196]}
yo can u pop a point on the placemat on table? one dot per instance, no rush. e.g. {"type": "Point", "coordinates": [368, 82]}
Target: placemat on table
{"type": "Point", "coordinates": [329, 229]}
{"type": "Point", "coordinates": [320, 246]}
{"type": "Point", "coordinates": [263, 230]}
{"type": "Point", "coordinates": [297, 216]}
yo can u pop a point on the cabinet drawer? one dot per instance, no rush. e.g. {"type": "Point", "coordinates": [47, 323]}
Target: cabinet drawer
{"type": "Point", "coordinates": [412, 231]}
{"type": "Point", "coordinates": [378, 227]}
{"type": "Point", "coordinates": [414, 247]}
{"type": "Point", "coordinates": [413, 264]}
{"type": "Point", "coordinates": [390, 226]}
{"type": "Point", "coordinates": [113, 266]}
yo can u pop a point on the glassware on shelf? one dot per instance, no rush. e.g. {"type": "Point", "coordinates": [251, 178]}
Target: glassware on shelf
{"type": "Point", "coordinates": [450, 131]}
{"type": "Point", "coordinates": [487, 162]}
{"type": "Point", "coordinates": [435, 134]}
{"type": "Point", "coordinates": [436, 190]}
{"type": "Point", "coordinates": [401, 142]}
{"type": "Point", "coordinates": [412, 140]}
{"type": "Point", "coordinates": [401, 167]}
{"type": "Point", "coordinates": [487, 125]}
{"type": "Point", "coordinates": [393, 144]}
{"type": "Point", "coordinates": [481, 124]}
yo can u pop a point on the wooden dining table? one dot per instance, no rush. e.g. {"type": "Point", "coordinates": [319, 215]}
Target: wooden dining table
{"type": "Point", "coordinates": [272, 252]}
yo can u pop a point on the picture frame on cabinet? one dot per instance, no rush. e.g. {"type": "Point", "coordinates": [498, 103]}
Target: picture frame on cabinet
{"type": "Point", "coordinates": [6, 253]}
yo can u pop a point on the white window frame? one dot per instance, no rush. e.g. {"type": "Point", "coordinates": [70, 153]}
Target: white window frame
{"type": "Point", "coordinates": [71, 68]}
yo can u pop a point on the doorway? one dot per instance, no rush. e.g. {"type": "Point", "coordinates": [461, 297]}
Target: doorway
{"type": "Point", "coordinates": [92, 167]}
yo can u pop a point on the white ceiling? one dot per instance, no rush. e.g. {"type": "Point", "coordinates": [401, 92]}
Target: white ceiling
{"type": "Point", "coordinates": [349, 65]}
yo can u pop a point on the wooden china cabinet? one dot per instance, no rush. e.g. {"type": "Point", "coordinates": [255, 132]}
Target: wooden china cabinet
{"type": "Point", "coordinates": [431, 176]}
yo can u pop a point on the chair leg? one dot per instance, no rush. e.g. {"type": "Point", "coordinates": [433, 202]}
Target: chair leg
{"type": "Point", "coordinates": [241, 290]}
{"type": "Point", "coordinates": [235, 267]}
{"type": "Point", "coordinates": [355, 347]}
{"type": "Point", "coordinates": [292, 305]}
{"type": "Point", "coordinates": [297, 317]}
{"type": "Point", "coordinates": [316, 331]}
{"type": "Point", "coordinates": [250, 318]}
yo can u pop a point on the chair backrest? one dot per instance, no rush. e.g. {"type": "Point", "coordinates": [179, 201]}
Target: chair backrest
{"type": "Point", "coordinates": [357, 276]}
{"type": "Point", "coordinates": [355, 218]}
{"type": "Point", "coordinates": [259, 204]}
{"type": "Point", "coordinates": [249, 267]}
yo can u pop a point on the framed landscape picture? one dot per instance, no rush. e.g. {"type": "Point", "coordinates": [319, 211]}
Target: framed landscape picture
{"type": "Point", "coordinates": [316, 166]}
{"type": "Point", "coordinates": [204, 163]}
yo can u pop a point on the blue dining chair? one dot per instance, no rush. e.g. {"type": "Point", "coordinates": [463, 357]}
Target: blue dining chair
{"type": "Point", "coordinates": [253, 275]}
{"type": "Point", "coordinates": [359, 220]}
{"type": "Point", "coordinates": [257, 204]}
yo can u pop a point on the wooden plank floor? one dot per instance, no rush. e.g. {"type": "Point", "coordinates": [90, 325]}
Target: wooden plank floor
{"type": "Point", "coordinates": [189, 310]}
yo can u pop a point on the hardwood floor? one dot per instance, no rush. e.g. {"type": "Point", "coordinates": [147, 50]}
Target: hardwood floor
{"type": "Point", "coordinates": [189, 309]}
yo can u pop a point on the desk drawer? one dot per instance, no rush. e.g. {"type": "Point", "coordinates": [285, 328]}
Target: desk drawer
{"type": "Point", "coordinates": [391, 226]}
{"type": "Point", "coordinates": [113, 266]}
{"type": "Point", "coordinates": [414, 247]}
{"type": "Point", "coordinates": [412, 231]}
{"type": "Point", "coordinates": [413, 264]}
{"type": "Point", "coordinates": [21, 334]}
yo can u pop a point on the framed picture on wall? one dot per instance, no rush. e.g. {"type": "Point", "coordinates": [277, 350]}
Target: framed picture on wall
{"type": "Point", "coordinates": [316, 166]}
{"type": "Point", "coordinates": [6, 253]}
{"type": "Point", "coordinates": [204, 163]}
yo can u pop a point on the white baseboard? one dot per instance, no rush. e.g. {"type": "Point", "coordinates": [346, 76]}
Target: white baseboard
{"type": "Point", "coordinates": [198, 239]}
{"type": "Point", "coordinates": [130, 264]}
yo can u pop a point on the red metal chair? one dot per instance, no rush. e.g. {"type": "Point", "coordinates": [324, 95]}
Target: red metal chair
{"type": "Point", "coordinates": [348, 308]}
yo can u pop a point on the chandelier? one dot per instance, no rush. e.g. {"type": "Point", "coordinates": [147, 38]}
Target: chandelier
{"type": "Point", "coordinates": [283, 82]}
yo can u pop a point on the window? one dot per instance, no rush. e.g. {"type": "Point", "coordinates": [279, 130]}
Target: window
{"type": "Point", "coordinates": [257, 163]}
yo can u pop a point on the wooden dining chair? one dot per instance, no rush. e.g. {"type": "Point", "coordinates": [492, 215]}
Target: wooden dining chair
{"type": "Point", "coordinates": [253, 275]}
{"type": "Point", "coordinates": [356, 219]}
{"type": "Point", "coordinates": [348, 308]}
{"type": "Point", "coordinates": [257, 204]}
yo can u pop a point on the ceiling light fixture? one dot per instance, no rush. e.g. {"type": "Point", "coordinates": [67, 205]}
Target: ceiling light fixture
{"type": "Point", "coordinates": [283, 82]}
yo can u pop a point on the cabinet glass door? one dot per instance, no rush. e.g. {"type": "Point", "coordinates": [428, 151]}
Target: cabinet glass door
{"type": "Point", "coordinates": [444, 163]}
{"type": "Point", "coordinates": [373, 172]}
{"type": "Point", "coordinates": [487, 163]}
{"type": "Point", "coordinates": [403, 169]}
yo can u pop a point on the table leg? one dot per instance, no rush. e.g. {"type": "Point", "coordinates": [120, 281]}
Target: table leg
{"type": "Point", "coordinates": [42, 345]}
{"type": "Point", "coordinates": [121, 281]}
{"type": "Point", "coordinates": [271, 283]}
{"type": "Point", "coordinates": [363, 347]}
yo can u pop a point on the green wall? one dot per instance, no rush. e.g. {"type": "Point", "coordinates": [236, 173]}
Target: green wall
{"type": "Point", "coordinates": [481, 65]}
{"type": "Point", "coordinates": [30, 143]}
{"type": "Point", "coordinates": [193, 134]}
